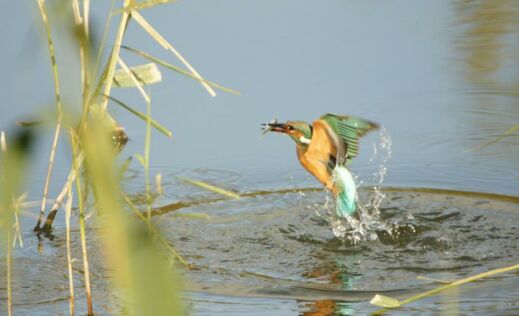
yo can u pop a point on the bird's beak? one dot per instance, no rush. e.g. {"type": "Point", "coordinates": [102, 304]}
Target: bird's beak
{"type": "Point", "coordinates": [274, 127]}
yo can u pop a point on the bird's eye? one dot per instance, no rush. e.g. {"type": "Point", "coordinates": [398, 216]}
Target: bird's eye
{"type": "Point", "coordinates": [290, 127]}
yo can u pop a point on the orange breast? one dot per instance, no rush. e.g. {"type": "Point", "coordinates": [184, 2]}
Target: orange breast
{"type": "Point", "coordinates": [316, 156]}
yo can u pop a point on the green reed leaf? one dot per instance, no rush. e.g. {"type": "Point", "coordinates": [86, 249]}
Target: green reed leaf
{"type": "Point", "coordinates": [123, 168]}
{"type": "Point", "coordinates": [137, 17]}
{"type": "Point", "coordinates": [507, 133]}
{"type": "Point", "coordinates": [146, 74]}
{"type": "Point", "coordinates": [144, 117]}
{"type": "Point", "coordinates": [210, 187]}
{"type": "Point", "coordinates": [178, 69]}
{"type": "Point", "coordinates": [149, 283]}
{"type": "Point", "coordinates": [384, 301]}
{"type": "Point", "coordinates": [192, 215]}
{"type": "Point", "coordinates": [140, 158]}
{"type": "Point", "coordinates": [150, 4]}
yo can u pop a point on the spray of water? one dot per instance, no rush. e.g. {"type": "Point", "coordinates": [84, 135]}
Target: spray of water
{"type": "Point", "coordinates": [363, 227]}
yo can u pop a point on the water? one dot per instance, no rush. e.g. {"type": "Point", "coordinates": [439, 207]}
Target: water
{"type": "Point", "coordinates": [293, 254]}
{"type": "Point", "coordinates": [441, 77]}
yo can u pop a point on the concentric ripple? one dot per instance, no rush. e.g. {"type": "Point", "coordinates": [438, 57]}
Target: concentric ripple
{"type": "Point", "coordinates": [280, 245]}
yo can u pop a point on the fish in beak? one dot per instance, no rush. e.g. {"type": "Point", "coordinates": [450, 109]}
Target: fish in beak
{"type": "Point", "coordinates": [274, 126]}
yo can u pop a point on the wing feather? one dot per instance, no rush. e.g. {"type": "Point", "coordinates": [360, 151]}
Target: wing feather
{"type": "Point", "coordinates": [349, 129]}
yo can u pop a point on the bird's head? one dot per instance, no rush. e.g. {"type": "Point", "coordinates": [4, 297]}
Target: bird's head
{"type": "Point", "coordinates": [299, 131]}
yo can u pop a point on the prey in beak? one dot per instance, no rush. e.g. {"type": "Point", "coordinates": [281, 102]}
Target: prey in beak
{"type": "Point", "coordinates": [299, 131]}
{"type": "Point", "coordinates": [274, 126]}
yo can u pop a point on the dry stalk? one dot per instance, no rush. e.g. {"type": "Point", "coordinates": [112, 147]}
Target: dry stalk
{"type": "Point", "coordinates": [43, 13]}
{"type": "Point", "coordinates": [68, 210]}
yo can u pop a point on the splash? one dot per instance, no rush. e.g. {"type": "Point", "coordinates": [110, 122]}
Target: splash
{"type": "Point", "coordinates": [364, 225]}
{"type": "Point", "coordinates": [384, 147]}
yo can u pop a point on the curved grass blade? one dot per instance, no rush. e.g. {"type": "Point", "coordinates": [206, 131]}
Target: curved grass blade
{"type": "Point", "coordinates": [151, 3]}
{"type": "Point", "coordinates": [136, 81]}
{"type": "Point", "coordinates": [192, 215]}
{"type": "Point", "coordinates": [146, 5]}
{"type": "Point", "coordinates": [178, 69]}
{"type": "Point", "coordinates": [507, 133]}
{"type": "Point", "coordinates": [447, 286]}
{"type": "Point", "coordinates": [211, 187]}
{"type": "Point", "coordinates": [124, 167]}
{"type": "Point", "coordinates": [137, 17]}
{"type": "Point", "coordinates": [142, 116]}
{"type": "Point", "coordinates": [423, 278]}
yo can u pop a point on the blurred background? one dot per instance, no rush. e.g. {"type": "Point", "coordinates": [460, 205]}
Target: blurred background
{"type": "Point", "coordinates": [442, 77]}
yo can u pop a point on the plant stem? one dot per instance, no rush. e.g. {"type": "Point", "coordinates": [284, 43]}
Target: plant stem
{"type": "Point", "coordinates": [59, 200]}
{"type": "Point", "coordinates": [7, 219]}
{"type": "Point", "coordinates": [68, 210]}
{"type": "Point", "coordinates": [86, 268]}
{"type": "Point", "coordinates": [114, 56]}
{"type": "Point", "coordinates": [9, 271]}
{"type": "Point", "coordinates": [103, 40]}
{"type": "Point", "coordinates": [43, 13]}
{"type": "Point", "coordinates": [147, 141]}
{"type": "Point", "coordinates": [84, 55]}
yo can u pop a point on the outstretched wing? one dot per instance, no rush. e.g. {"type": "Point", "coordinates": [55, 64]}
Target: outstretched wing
{"type": "Point", "coordinates": [349, 129]}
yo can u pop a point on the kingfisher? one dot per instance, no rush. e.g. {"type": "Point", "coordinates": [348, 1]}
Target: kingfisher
{"type": "Point", "coordinates": [325, 148]}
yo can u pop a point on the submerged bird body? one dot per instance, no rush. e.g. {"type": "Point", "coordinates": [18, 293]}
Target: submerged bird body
{"type": "Point", "coordinates": [325, 148]}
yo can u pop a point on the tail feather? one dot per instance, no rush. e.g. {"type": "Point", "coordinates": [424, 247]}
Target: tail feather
{"type": "Point", "coordinates": [345, 198]}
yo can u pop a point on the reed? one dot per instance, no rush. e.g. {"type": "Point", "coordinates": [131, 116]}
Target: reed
{"type": "Point", "coordinates": [13, 162]}
{"type": "Point", "coordinates": [68, 211]}
{"type": "Point", "coordinates": [82, 229]}
{"type": "Point", "coordinates": [133, 247]}
{"type": "Point", "coordinates": [59, 108]}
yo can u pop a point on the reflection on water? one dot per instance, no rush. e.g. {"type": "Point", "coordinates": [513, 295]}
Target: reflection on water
{"type": "Point", "coordinates": [489, 48]}
{"type": "Point", "coordinates": [489, 41]}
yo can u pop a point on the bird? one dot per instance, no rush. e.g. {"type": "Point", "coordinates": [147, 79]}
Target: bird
{"type": "Point", "coordinates": [325, 148]}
